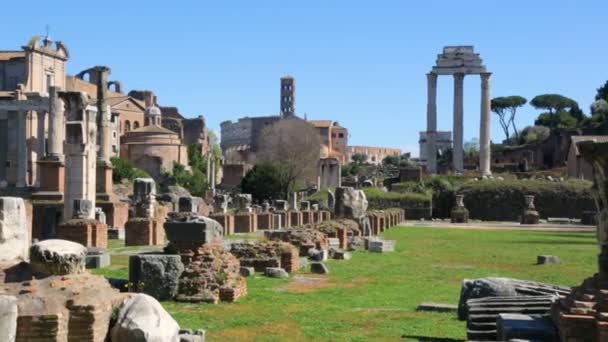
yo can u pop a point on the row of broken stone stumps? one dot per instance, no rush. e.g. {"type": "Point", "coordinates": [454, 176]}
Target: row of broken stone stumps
{"type": "Point", "coordinates": [47, 295]}
{"type": "Point", "coordinates": [53, 288]}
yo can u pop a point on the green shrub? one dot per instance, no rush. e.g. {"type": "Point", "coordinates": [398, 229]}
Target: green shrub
{"type": "Point", "coordinates": [416, 205]}
{"type": "Point", "coordinates": [123, 169]}
{"type": "Point", "coordinates": [264, 182]}
{"type": "Point", "coordinates": [494, 200]}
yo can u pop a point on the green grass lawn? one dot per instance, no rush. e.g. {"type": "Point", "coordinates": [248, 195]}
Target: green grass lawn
{"type": "Point", "coordinates": [374, 296]}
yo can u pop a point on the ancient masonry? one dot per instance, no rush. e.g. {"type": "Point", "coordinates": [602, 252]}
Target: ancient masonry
{"type": "Point", "coordinates": [459, 61]}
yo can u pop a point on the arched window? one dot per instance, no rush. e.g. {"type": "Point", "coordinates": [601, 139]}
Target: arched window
{"type": "Point", "coordinates": [127, 126]}
{"type": "Point", "coordinates": [135, 125]}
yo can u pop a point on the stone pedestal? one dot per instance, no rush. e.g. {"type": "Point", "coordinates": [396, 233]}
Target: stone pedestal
{"type": "Point", "coordinates": [226, 221]}
{"type": "Point", "coordinates": [459, 213]}
{"type": "Point", "coordinates": [307, 217]}
{"type": "Point", "coordinates": [52, 178]}
{"type": "Point", "coordinates": [144, 232]}
{"type": "Point", "coordinates": [104, 181]}
{"type": "Point", "coordinates": [265, 221]}
{"type": "Point", "coordinates": [86, 232]}
{"type": "Point", "coordinates": [530, 215]}
{"type": "Point", "coordinates": [295, 218]}
{"type": "Point", "coordinates": [245, 223]}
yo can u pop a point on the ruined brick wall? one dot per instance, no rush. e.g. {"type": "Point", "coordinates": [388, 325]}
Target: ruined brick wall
{"type": "Point", "coordinates": [144, 232]}
{"type": "Point", "coordinates": [117, 214]}
{"type": "Point", "coordinates": [89, 233]}
{"type": "Point", "coordinates": [245, 223]}
{"type": "Point", "coordinates": [265, 221]}
{"type": "Point", "coordinates": [260, 255]}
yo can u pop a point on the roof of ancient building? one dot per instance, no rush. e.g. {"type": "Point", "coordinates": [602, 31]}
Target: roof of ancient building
{"type": "Point", "coordinates": [116, 100]}
{"type": "Point", "coordinates": [578, 138]}
{"type": "Point", "coordinates": [320, 123]}
{"type": "Point", "coordinates": [171, 112]}
{"type": "Point", "coordinates": [152, 110]}
{"type": "Point", "coordinates": [8, 55]}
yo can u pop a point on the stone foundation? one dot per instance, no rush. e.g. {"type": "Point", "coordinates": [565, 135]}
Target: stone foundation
{"type": "Point", "coordinates": [261, 255]}
{"type": "Point", "coordinates": [88, 233]}
{"type": "Point", "coordinates": [200, 281]}
{"type": "Point", "coordinates": [302, 238]}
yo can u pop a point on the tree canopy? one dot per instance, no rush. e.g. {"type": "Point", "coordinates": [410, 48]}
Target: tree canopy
{"type": "Point", "coordinates": [294, 147]}
{"type": "Point", "coordinates": [602, 92]}
{"type": "Point", "coordinates": [507, 105]}
{"type": "Point", "coordinates": [553, 103]}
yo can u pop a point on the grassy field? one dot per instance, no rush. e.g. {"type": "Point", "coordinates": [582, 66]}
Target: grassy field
{"type": "Point", "coordinates": [374, 296]}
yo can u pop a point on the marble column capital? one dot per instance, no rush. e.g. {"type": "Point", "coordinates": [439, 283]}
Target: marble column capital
{"type": "Point", "coordinates": [459, 76]}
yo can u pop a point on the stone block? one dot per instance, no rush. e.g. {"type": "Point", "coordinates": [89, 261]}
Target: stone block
{"type": "Point", "coordinates": [318, 268]}
{"type": "Point", "coordinates": [57, 257]}
{"type": "Point", "coordinates": [194, 229]}
{"type": "Point", "coordinates": [334, 243]}
{"type": "Point", "coordinates": [340, 254]}
{"type": "Point", "coordinates": [89, 233]}
{"type": "Point", "coordinates": [459, 215]}
{"type": "Point", "coordinates": [97, 258]}
{"type": "Point", "coordinates": [14, 235]}
{"type": "Point", "coordinates": [247, 271]}
{"type": "Point", "coordinates": [8, 318]}
{"type": "Point", "coordinates": [524, 327]}
{"type": "Point", "coordinates": [303, 263]}
{"type": "Point", "coordinates": [276, 272]}
{"type": "Point", "coordinates": [548, 259]}
{"type": "Point", "coordinates": [530, 217]}
{"type": "Point", "coordinates": [317, 254]}
{"type": "Point", "coordinates": [381, 246]}
{"type": "Point", "coordinates": [156, 275]}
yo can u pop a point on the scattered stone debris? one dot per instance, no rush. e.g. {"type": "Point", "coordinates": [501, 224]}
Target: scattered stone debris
{"type": "Point", "coordinates": [548, 259]}
{"type": "Point", "coordinates": [381, 246]}
{"type": "Point", "coordinates": [262, 254]}
{"type": "Point", "coordinates": [276, 272]}
{"type": "Point", "coordinates": [142, 318]}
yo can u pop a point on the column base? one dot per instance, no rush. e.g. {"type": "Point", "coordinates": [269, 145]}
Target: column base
{"type": "Point", "coordinates": [103, 186]}
{"type": "Point", "coordinates": [52, 179]}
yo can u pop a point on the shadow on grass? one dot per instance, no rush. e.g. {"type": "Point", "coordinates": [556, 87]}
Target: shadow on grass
{"type": "Point", "coordinates": [430, 339]}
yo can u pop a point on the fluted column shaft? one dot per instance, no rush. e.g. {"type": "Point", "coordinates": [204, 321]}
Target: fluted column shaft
{"type": "Point", "coordinates": [485, 124]}
{"type": "Point", "coordinates": [431, 123]}
{"type": "Point", "coordinates": [457, 151]}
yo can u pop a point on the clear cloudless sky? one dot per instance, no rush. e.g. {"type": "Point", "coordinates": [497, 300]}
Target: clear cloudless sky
{"type": "Point", "coordinates": [362, 63]}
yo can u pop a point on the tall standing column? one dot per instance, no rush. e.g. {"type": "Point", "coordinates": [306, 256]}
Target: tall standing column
{"type": "Point", "coordinates": [104, 131]}
{"type": "Point", "coordinates": [41, 143]}
{"type": "Point", "coordinates": [431, 123]}
{"type": "Point", "coordinates": [21, 152]}
{"type": "Point", "coordinates": [51, 167]}
{"type": "Point", "coordinates": [56, 125]}
{"type": "Point", "coordinates": [484, 132]}
{"type": "Point", "coordinates": [457, 151]}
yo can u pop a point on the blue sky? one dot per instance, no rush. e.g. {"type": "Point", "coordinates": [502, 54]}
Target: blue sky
{"type": "Point", "coordinates": [362, 63]}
